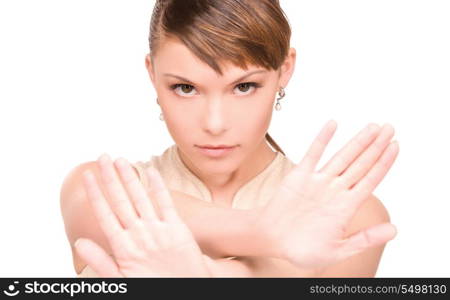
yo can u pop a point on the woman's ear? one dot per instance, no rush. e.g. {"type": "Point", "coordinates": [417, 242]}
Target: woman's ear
{"type": "Point", "coordinates": [149, 67]}
{"type": "Point", "coordinates": [287, 68]}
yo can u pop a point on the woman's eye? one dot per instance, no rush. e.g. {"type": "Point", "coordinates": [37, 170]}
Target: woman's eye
{"type": "Point", "coordinates": [246, 86]}
{"type": "Point", "coordinates": [184, 88]}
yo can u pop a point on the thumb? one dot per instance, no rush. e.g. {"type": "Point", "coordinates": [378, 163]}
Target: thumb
{"type": "Point", "coordinates": [97, 258]}
{"type": "Point", "coordinates": [366, 238]}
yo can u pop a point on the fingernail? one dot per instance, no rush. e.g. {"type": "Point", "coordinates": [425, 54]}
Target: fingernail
{"type": "Point", "coordinates": [372, 127]}
{"type": "Point", "coordinates": [394, 143]}
{"type": "Point", "coordinates": [87, 175]}
{"type": "Point", "coordinates": [394, 230]}
{"type": "Point", "coordinates": [103, 158]}
{"type": "Point", "coordinates": [121, 162]}
{"type": "Point", "coordinates": [77, 242]}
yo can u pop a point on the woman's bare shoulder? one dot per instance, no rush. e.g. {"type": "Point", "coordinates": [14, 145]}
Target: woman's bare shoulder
{"type": "Point", "coordinates": [371, 212]}
{"type": "Point", "coordinates": [78, 216]}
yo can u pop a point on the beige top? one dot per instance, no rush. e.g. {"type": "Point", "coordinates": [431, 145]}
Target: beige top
{"type": "Point", "coordinates": [256, 192]}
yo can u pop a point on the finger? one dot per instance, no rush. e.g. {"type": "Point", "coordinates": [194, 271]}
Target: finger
{"type": "Point", "coordinates": [340, 161]}
{"type": "Point", "coordinates": [96, 257]}
{"type": "Point", "coordinates": [367, 159]}
{"type": "Point", "coordinates": [159, 192]}
{"type": "Point", "coordinates": [371, 237]}
{"type": "Point", "coordinates": [105, 216]}
{"type": "Point", "coordinates": [135, 189]}
{"type": "Point", "coordinates": [315, 151]}
{"type": "Point", "coordinates": [118, 197]}
{"type": "Point", "coordinates": [370, 181]}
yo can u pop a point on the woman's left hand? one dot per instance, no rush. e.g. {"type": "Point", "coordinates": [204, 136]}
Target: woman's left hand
{"type": "Point", "coordinates": [146, 242]}
{"type": "Point", "coordinates": [306, 220]}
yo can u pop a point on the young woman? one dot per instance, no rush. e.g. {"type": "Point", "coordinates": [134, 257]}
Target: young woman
{"type": "Point", "coordinates": [242, 209]}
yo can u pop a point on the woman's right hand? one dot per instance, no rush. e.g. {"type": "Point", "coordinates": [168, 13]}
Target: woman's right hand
{"type": "Point", "coordinates": [309, 213]}
{"type": "Point", "coordinates": [146, 241]}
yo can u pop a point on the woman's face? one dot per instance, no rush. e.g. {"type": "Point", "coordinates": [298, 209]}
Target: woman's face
{"type": "Point", "coordinates": [202, 108]}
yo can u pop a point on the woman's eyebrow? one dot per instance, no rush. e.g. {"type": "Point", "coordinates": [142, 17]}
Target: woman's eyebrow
{"type": "Point", "coordinates": [235, 81]}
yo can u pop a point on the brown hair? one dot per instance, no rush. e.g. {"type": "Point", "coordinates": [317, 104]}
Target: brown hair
{"type": "Point", "coordinates": [237, 31]}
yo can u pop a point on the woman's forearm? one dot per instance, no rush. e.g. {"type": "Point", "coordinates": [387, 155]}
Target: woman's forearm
{"type": "Point", "coordinates": [222, 231]}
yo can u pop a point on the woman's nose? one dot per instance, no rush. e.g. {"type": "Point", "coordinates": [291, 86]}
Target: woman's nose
{"type": "Point", "coordinates": [215, 119]}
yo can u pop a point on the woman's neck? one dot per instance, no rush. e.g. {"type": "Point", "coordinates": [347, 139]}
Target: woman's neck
{"type": "Point", "coordinates": [223, 187]}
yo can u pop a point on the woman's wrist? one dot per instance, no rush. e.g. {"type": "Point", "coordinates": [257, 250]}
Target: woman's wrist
{"type": "Point", "coordinates": [245, 234]}
{"type": "Point", "coordinates": [236, 233]}
{"type": "Point", "coordinates": [265, 238]}
{"type": "Point", "coordinates": [222, 231]}
{"type": "Point", "coordinates": [250, 237]}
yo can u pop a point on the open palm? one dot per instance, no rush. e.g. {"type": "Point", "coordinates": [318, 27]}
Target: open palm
{"type": "Point", "coordinates": [310, 212]}
{"type": "Point", "coordinates": [146, 241]}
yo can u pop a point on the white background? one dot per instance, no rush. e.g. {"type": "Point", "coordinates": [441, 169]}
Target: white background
{"type": "Point", "coordinates": [73, 85]}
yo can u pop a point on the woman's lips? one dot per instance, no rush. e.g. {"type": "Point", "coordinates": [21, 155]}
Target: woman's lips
{"type": "Point", "coordinates": [216, 151]}
{"type": "Point", "coordinates": [216, 146]}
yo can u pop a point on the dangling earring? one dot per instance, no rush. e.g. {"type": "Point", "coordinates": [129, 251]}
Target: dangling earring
{"type": "Point", "coordinates": [281, 95]}
{"type": "Point", "coordinates": [161, 116]}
